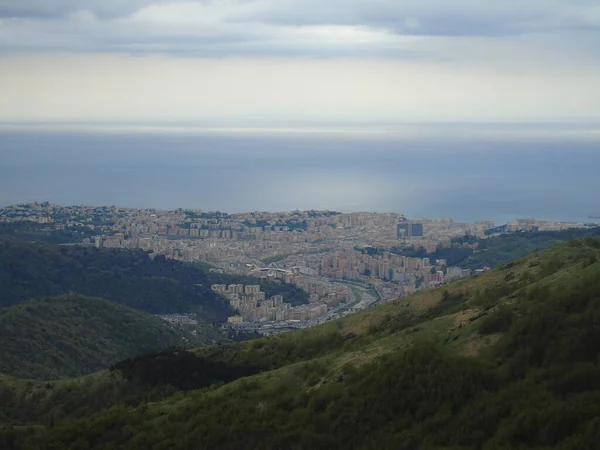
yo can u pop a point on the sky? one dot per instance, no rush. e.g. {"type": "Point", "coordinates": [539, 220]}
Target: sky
{"type": "Point", "coordinates": [299, 61]}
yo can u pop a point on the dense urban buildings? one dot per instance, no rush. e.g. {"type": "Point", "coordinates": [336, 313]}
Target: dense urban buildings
{"type": "Point", "coordinates": [340, 260]}
{"type": "Point", "coordinates": [408, 230]}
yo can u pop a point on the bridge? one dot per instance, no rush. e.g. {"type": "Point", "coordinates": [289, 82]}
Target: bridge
{"type": "Point", "coordinates": [271, 270]}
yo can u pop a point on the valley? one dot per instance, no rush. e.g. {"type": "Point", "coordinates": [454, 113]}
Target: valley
{"type": "Point", "coordinates": [517, 343]}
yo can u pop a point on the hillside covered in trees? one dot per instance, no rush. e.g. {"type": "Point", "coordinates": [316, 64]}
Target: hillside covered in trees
{"type": "Point", "coordinates": [73, 335]}
{"type": "Point", "coordinates": [507, 359]}
{"type": "Point", "coordinates": [496, 250]}
{"type": "Point", "coordinates": [45, 233]}
{"type": "Point", "coordinates": [129, 277]}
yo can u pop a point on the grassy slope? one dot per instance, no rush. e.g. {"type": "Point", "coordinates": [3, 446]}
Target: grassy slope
{"type": "Point", "coordinates": [503, 360]}
{"type": "Point", "coordinates": [73, 335]}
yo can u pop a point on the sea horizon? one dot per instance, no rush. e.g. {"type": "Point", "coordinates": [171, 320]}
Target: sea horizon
{"type": "Point", "coordinates": [468, 172]}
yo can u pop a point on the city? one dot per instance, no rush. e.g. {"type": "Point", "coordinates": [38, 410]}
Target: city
{"type": "Point", "coordinates": [344, 261]}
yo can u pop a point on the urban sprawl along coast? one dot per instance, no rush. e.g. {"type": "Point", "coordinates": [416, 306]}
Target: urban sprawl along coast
{"type": "Point", "coordinates": [344, 261]}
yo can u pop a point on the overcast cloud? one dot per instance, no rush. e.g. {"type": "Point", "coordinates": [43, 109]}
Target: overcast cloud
{"type": "Point", "coordinates": [301, 27]}
{"type": "Point", "coordinates": [469, 58]}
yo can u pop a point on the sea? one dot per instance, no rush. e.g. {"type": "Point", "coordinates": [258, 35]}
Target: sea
{"type": "Point", "coordinates": [467, 172]}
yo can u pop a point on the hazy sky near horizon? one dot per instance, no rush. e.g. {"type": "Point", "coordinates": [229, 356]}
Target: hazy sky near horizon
{"type": "Point", "coordinates": [354, 60]}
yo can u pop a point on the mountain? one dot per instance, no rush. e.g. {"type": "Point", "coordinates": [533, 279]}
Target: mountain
{"type": "Point", "coordinates": [506, 359]}
{"type": "Point", "coordinates": [129, 277]}
{"type": "Point", "coordinates": [73, 335]}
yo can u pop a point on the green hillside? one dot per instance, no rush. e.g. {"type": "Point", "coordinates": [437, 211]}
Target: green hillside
{"type": "Point", "coordinates": [508, 359]}
{"type": "Point", "coordinates": [130, 277]}
{"type": "Point", "coordinates": [73, 335]}
{"type": "Point", "coordinates": [496, 250]}
{"type": "Point", "coordinates": [46, 233]}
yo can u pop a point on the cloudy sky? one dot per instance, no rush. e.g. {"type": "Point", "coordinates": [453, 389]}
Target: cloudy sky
{"type": "Point", "coordinates": [318, 61]}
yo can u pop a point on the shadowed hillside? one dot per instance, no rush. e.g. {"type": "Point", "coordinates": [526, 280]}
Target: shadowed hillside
{"type": "Point", "coordinates": [129, 277]}
{"type": "Point", "coordinates": [46, 233]}
{"type": "Point", "coordinates": [508, 359]}
{"type": "Point", "coordinates": [496, 250]}
{"type": "Point", "coordinates": [74, 335]}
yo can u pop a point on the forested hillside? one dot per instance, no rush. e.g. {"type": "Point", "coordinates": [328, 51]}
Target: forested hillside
{"type": "Point", "coordinates": [496, 250]}
{"type": "Point", "coordinates": [45, 233]}
{"type": "Point", "coordinates": [129, 277]}
{"type": "Point", "coordinates": [73, 335]}
{"type": "Point", "coordinates": [508, 359]}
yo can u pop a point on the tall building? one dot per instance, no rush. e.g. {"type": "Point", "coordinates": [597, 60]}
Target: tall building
{"type": "Point", "coordinates": [403, 231]}
{"type": "Point", "coordinates": [252, 289]}
{"type": "Point", "coordinates": [416, 229]}
{"type": "Point", "coordinates": [407, 230]}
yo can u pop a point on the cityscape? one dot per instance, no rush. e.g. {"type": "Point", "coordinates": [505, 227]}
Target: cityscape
{"type": "Point", "coordinates": [293, 224]}
{"type": "Point", "coordinates": [345, 262]}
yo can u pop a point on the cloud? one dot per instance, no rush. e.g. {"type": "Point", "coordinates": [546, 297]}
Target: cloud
{"type": "Point", "coordinates": [171, 88]}
{"type": "Point", "coordinates": [395, 28]}
{"type": "Point", "coordinates": [48, 9]}
{"type": "Point", "coordinates": [318, 59]}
